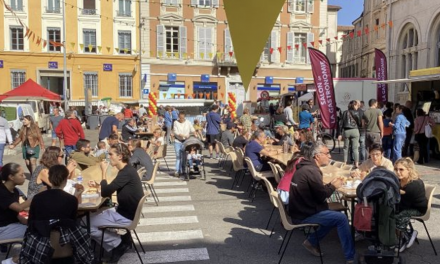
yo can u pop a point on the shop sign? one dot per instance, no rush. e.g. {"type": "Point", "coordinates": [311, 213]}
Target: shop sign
{"type": "Point", "coordinates": [1, 63]}
{"type": "Point", "coordinates": [205, 78]}
{"type": "Point", "coordinates": [299, 80]}
{"type": "Point", "coordinates": [268, 80]}
{"type": "Point", "coordinates": [301, 88]}
{"type": "Point", "coordinates": [53, 65]}
{"type": "Point", "coordinates": [108, 67]}
{"type": "Point", "coordinates": [145, 93]}
{"type": "Point", "coordinates": [172, 77]}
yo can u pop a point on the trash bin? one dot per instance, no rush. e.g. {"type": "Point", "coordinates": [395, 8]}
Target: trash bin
{"type": "Point", "coordinates": [92, 122]}
{"type": "Point", "coordinates": [102, 118]}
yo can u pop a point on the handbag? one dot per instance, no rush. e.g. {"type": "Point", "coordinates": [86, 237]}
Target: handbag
{"type": "Point", "coordinates": [30, 151]}
{"type": "Point", "coordinates": [428, 130]}
{"type": "Point", "coordinates": [363, 214]}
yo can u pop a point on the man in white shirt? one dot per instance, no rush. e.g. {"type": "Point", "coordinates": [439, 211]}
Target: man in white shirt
{"type": "Point", "coordinates": [182, 130]}
{"type": "Point", "coordinates": [5, 134]}
{"type": "Point", "coordinates": [288, 112]}
{"type": "Point", "coordinates": [142, 111]}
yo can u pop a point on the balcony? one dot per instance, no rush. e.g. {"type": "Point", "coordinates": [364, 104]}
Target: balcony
{"type": "Point", "coordinates": [52, 10]}
{"type": "Point", "coordinates": [89, 12]}
{"type": "Point", "coordinates": [123, 13]}
{"type": "Point", "coordinates": [226, 60]}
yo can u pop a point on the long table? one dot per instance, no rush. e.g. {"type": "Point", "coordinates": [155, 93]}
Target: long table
{"type": "Point", "coordinates": [280, 156]}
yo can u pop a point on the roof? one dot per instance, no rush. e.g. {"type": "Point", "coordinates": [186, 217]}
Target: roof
{"type": "Point", "coordinates": [30, 89]}
{"type": "Point", "coordinates": [345, 28]}
{"type": "Point", "coordinates": [333, 7]}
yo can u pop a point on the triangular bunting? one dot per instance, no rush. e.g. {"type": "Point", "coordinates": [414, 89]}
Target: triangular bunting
{"type": "Point", "coordinates": [72, 44]}
{"type": "Point", "coordinates": [117, 50]}
{"type": "Point", "coordinates": [99, 49]}
{"type": "Point", "coordinates": [90, 46]}
{"type": "Point", "coordinates": [81, 46]}
{"type": "Point", "coordinates": [108, 49]}
{"type": "Point", "coordinates": [44, 44]}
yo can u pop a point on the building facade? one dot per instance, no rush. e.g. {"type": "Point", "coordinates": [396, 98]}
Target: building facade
{"type": "Point", "coordinates": [102, 44]}
{"type": "Point", "coordinates": [188, 52]}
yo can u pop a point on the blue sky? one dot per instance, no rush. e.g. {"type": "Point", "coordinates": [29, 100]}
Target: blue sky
{"type": "Point", "coordinates": [351, 9]}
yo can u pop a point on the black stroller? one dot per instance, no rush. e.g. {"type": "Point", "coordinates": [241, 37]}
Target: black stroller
{"type": "Point", "coordinates": [198, 145]}
{"type": "Point", "coordinates": [382, 192]}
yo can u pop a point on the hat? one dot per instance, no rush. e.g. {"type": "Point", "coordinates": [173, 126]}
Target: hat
{"type": "Point", "coordinates": [305, 107]}
{"type": "Point", "coordinates": [231, 125]}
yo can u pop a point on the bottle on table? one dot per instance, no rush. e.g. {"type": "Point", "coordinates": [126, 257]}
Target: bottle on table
{"type": "Point", "coordinates": [79, 179]}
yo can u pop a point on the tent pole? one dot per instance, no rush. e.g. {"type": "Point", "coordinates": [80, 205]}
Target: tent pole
{"type": "Point", "coordinates": [66, 104]}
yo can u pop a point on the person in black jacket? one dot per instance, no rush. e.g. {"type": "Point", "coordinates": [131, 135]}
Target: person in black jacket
{"type": "Point", "coordinates": [307, 200]}
{"type": "Point", "coordinates": [413, 201]}
{"type": "Point", "coordinates": [140, 158]}
{"type": "Point", "coordinates": [129, 190]}
{"type": "Point", "coordinates": [350, 124]}
{"type": "Point", "coordinates": [129, 130]}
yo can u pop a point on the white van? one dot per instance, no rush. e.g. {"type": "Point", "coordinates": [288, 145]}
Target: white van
{"type": "Point", "coordinates": [14, 114]}
{"type": "Point", "coordinates": [40, 107]}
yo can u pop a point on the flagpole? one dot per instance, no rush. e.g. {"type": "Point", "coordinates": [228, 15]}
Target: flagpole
{"type": "Point", "coordinates": [66, 104]}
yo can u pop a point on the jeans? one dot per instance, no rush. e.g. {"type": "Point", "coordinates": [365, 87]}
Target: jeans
{"type": "Point", "coordinates": [2, 150]}
{"type": "Point", "coordinates": [69, 149]}
{"type": "Point", "coordinates": [178, 147]}
{"type": "Point", "coordinates": [387, 144]}
{"type": "Point", "coordinates": [362, 149]}
{"type": "Point", "coordinates": [327, 221]}
{"type": "Point", "coordinates": [168, 135]}
{"type": "Point", "coordinates": [351, 137]}
{"type": "Point", "coordinates": [191, 162]}
{"type": "Point", "coordinates": [399, 140]}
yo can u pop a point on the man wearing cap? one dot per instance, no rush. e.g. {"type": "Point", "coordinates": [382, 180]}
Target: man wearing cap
{"type": "Point", "coordinates": [282, 135]}
{"type": "Point", "coordinates": [305, 117]}
{"type": "Point", "coordinates": [227, 137]}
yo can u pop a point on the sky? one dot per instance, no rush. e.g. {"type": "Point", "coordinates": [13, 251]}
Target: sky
{"type": "Point", "coordinates": [351, 9]}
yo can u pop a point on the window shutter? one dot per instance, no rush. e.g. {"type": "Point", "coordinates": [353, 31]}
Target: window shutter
{"type": "Point", "coordinates": [209, 42]}
{"type": "Point", "coordinates": [128, 7]}
{"type": "Point", "coordinates": [215, 3]}
{"type": "Point", "coordinates": [121, 6]}
{"type": "Point", "coordinates": [290, 37]}
{"type": "Point", "coordinates": [13, 5]}
{"type": "Point", "coordinates": [310, 6]}
{"type": "Point", "coordinates": [182, 41]}
{"type": "Point", "coordinates": [20, 4]}
{"type": "Point", "coordinates": [160, 35]}
{"type": "Point", "coordinates": [273, 45]}
{"type": "Point", "coordinates": [201, 41]}
{"type": "Point", "coordinates": [290, 6]}
{"type": "Point", "coordinates": [310, 38]}
{"type": "Point", "coordinates": [193, 2]}
{"type": "Point", "coordinates": [57, 5]}
{"type": "Point", "coordinates": [50, 5]}
{"type": "Point", "coordinates": [228, 44]}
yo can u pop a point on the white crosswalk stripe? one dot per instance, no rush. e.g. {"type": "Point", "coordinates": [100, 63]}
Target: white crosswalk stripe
{"type": "Point", "coordinates": [170, 183]}
{"type": "Point", "coordinates": [171, 208]}
{"type": "Point", "coordinates": [168, 256]}
{"type": "Point", "coordinates": [172, 190]}
{"type": "Point", "coordinates": [169, 236]}
{"type": "Point", "coordinates": [172, 199]}
{"type": "Point", "coordinates": [168, 220]}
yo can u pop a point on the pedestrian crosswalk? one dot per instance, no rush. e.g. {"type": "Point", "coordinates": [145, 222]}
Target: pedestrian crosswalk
{"type": "Point", "coordinates": [173, 221]}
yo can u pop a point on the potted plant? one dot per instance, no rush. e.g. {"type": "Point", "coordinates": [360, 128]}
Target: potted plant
{"type": "Point", "coordinates": [200, 95]}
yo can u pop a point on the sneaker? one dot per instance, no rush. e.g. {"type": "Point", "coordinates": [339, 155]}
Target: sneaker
{"type": "Point", "coordinates": [412, 239]}
{"type": "Point", "coordinates": [358, 237]}
{"type": "Point", "coordinates": [191, 169]}
{"type": "Point", "coordinates": [314, 251]}
{"type": "Point", "coordinates": [217, 157]}
{"type": "Point", "coordinates": [403, 245]}
{"type": "Point", "coordinates": [176, 174]}
{"type": "Point", "coordinates": [8, 261]}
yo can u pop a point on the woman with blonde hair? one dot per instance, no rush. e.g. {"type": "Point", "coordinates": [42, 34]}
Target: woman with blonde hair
{"type": "Point", "coordinates": [413, 200]}
{"type": "Point", "coordinates": [246, 119]}
{"type": "Point", "coordinates": [32, 142]}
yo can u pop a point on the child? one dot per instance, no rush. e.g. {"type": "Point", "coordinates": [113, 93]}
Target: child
{"type": "Point", "coordinates": [193, 157]}
{"type": "Point", "coordinates": [203, 130]}
{"type": "Point", "coordinates": [387, 140]}
{"type": "Point", "coordinates": [198, 128]}
{"type": "Point", "coordinates": [102, 149]}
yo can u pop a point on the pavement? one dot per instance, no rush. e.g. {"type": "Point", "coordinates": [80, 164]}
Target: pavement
{"type": "Point", "coordinates": [204, 221]}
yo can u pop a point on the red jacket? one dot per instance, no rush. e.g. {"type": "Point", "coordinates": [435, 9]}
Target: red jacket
{"type": "Point", "coordinates": [70, 130]}
{"type": "Point", "coordinates": [128, 113]}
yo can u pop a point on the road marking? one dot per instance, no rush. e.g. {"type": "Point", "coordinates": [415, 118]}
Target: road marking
{"type": "Point", "coordinates": [171, 199]}
{"type": "Point", "coordinates": [171, 208]}
{"type": "Point", "coordinates": [168, 220]}
{"type": "Point", "coordinates": [167, 256]}
{"type": "Point", "coordinates": [170, 183]}
{"type": "Point", "coordinates": [172, 190]}
{"type": "Point", "coordinates": [150, 237]}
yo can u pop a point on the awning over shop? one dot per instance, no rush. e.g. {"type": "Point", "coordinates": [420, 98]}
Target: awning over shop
{"type": "Point", "coordinates": [183, 103]}
{"type": "Point", "coordinates": [422, 75]}
{"type": "Point", "coordinates": [81, 103]}
{"type": "Point", "coordinates": [31, 89]}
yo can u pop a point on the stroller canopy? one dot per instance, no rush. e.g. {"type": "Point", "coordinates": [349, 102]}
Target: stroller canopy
{"type": "Point", "coordinates": [377, 182]}
{"type": "Point", "coordinates": [193, 141]}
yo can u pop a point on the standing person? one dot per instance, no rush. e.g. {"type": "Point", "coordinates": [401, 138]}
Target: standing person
{"type": "Point", "coordinates": [305, 117]}
{"type": "Point", "coordinates": [32, 142]}
{"type": "Point", "coordinates": [419, 134]}
{"type": "Point", "coordinates": [54, 121]}
{"type": "Point", "coordinates": [308, 200]}
{"type": "Point", "coordinates": [128, 187]}
{"type": "Point", "coordinates": [70, 131]}
{"type": "Point", "coordinates": [161, 110]}
{"type": "Point", "coordinates": [362, 134]}
{"type": "Point", "coordinates": [387, 140]}
{"type": "Point", "coordinates": [374, 124]}
{"type": "Point", "coordinates": [362, 106]}
{"type": "Point", "coordinates": [5, 135]}
{"type": "Point", "coordinates": [142, 111]}
{"type": "Point", "coordinates": [408, 149]}
{"type": "Point", "coordinates": [128, 113]}
{"type": "Point", "coordinates": [350, 131]}
{"type": "Point", "coordinates": [58, 105]}
{"type": "Point", "coordinates": [213, 120]}
{"type": "Point", "coordinates": [182, 130]}
{"type": "Point", "coordinates": [174, 115]}
{"type": "Point", "coordinates": [168, 122]}
{"type": "Point", "coordinates": [399, 132]}
{"type": "Point", "coordinates": [246, 119]}
{"type": "Point", "coordinates": [110, 126]}
{"type": "Point", "coordinates": [288, 112]}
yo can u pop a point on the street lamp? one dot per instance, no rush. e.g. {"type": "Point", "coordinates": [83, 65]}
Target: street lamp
{"type": "Point", "coordinates": [66, 104]}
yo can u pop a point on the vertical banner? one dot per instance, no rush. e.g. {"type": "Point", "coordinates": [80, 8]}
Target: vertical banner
{"type": "Point", "coordinates": [381, 75]}
{"type": "Point", "coordinates": [325, 93]}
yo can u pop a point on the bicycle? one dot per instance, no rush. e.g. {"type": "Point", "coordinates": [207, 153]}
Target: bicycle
{"type": "Point", "coordinates": [324, 137]}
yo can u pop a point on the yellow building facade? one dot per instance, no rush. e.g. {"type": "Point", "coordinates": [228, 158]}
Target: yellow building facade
{"type": "Point", "coordinates": [102, 43]}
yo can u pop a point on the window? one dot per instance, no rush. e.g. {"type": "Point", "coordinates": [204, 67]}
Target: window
{"type": "Point", "coordinates": [376, 28]}
{"type": "Point", "coordinates": [204, 43]}
{"type": "Point", "coordinates": [124, 8]}
{"type": "Point", "coordinates": [18, 77]}
{"type": "Point", "coordinates": [171, 42]}
{"type": "Point", "coordinates": [172, 39]}
{"type": "Point", "coordinates": [170, 2]}
{"type": "Point", "coordinates": [124, 39]}
{"type": "Point", "coordinates": [205, 2]}
{"type": "Point", "coordinates": [89, 7]}
{"type": "Point", "coordinates": [266, 51]}
{"type": "Point", "coordinates": [91, 82]}
{"type": "Point", "coordinates": [17, 42]}
{"type": "Point", "coordinates": [299, 55]}
{"type": "Point", "coordinates": [125, 85]}
{"type": "Point", "coordinates": [53, 6]}
{"type": "Point", "coordinates": [17, 5]}
{"type": "Point", "coordinates": [89, 40]}
{"type": "Point", "coordinates": [300, 6]}
{"type": "Point", "coordinates": [54, 35]}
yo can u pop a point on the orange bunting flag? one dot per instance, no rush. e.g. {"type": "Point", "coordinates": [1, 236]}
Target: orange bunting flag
{"type": "Point", "coordinates": [27, 32]}
{"type": "Point", "coordinates": [33, 38]}
{"type": "Point", "coordinates": [320, 42]}
{"type": "Point", "coordinates": [38, 41]}
{"type": "Point", "coordinates": [383, 25]}
{"type": "Point", "coordinates": [376, 28]}
{"type": "Point", "coordinates": [312, 43]}
{"type": "Point", "coordinates": [351, 34]}
{"type": "Point", "coordinates": [296, 46]}
{"type": "Point", "coordinates": [359, 33]}
{"type": "Point", "coordinates": [44, 44]}
{"type": "Point", "coordinates": [280, 49]}
{"type": "Point", "coordinates": [328, 40]}
{"type": "Point", "coordinates": [390, 23]}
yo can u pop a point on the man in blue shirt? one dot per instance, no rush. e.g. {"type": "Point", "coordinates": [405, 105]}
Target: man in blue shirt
{"type": "Point", "coordinates": [110, 125]}
{"type": "Point", "coordinates": [399, 132]}
{"type": "Point", "coordinates": [254, 150]}
{"type": "Point", "coordinates": [213, 120]}
{"type": "Point", "coordinates": [305, 117]}
{"type": "Point", "coordinates": [168, 122]}
{"type": "Point", "coordinates": [174, 115]}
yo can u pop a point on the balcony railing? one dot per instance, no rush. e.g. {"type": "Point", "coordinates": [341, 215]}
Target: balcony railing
{"type": "Point", "coordinates": [53, 10]}
{"type": "Point", "coordinates": [123, 13]}
{"type": "Point", "coordinates": [17, 8]}
{"type": "Point", "coordinates": [89, 12]}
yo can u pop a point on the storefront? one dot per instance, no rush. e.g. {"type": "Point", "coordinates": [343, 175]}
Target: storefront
{"type": "Point", "coordinates": [207, 91]}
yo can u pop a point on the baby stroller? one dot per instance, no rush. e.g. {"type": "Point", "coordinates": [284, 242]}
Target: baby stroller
{"type": "Point", "coordinates": [381, 189]}
{"type": "Point", "coordinates": [189, 144]}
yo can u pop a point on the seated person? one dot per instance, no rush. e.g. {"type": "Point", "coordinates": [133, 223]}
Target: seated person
{"type": "Point", "coordinates": [129, 130]}
{"type": "Point", "coordinates": [129, 191]}
{"type": "Point", "coordinates": [140, 158]}
{"type": "Point", "coordinates": [155, 143]}
{"type": "Point", "coordinates": [283, 136]}
{"type": "Point", "coordinates": [111, 140]}
{"type": "Point", "coordinates": [413, 200]}
{"type": "Point", "coordinates": [242, 140]}
{"type": "Point", "coordinates": [102, 149]}
{"type": "Point", "coordinates": [192, 158]}
{"type": "Point", "coordinates": [227, 137]}
{"type": "Point", "coordinates": [82, 155]}
{"type": "Point", "coordinates": [308, 200]}
{"type": "Point", "coordinates": [12, 225]}
{"type": "Point", "coordinates": [254, 150]}
{"type": "Point", "coordinates": [376, 159]}
{"type": "Point", "coordinates": [160, 121]}
{"type": "Point", "coordinates": [52, 209]}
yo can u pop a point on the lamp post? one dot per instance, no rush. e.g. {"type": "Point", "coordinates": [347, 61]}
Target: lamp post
{"type": "Point", "coordinates": [66, 104]}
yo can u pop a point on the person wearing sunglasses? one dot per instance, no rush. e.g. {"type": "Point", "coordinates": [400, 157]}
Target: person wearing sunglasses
{"type": "Point", "coordinates": [40, 176]}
